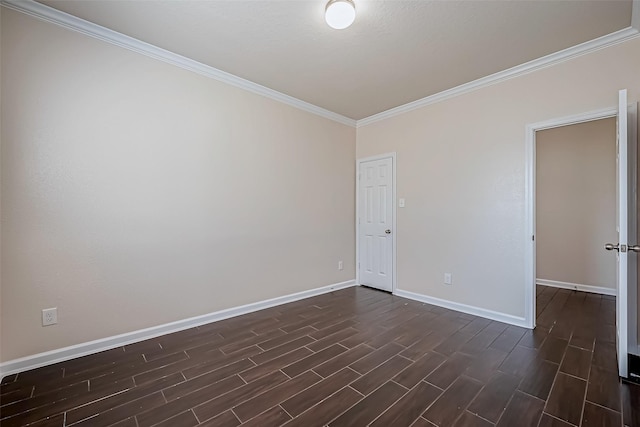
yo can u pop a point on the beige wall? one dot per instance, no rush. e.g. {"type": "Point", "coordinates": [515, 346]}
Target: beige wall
{"type": "Point", "coordinates": [576, 203]}
{"type": "Point", "coordinates": [461, 168]}
{"type": "Point", "coordinates": [135, 193]}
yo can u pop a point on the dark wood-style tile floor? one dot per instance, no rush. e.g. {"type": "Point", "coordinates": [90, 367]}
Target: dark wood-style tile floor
{"type": "Point", "coordinates": [355, 357]}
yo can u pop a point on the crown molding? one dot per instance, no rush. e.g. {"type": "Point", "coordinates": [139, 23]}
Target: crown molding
{"type": "Point", "coordinates": [49, 14]}
{"type": "Point", "coordinates": [519, 70]}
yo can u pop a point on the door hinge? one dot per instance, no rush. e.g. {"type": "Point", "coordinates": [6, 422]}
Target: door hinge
{"type": "Point", "coordinates": [533, 238]}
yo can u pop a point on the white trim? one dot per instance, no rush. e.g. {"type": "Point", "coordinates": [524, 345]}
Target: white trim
{"type": "Point", "coordinates": [54, 16]}
{"type": "Point", "coordinates": [78, 350]}
{"type": "Point", "coordinates": [530, 229]}
{"type": "Point", "coordinates": [394, 235]}
{"type": "Point", "coordinates": [469, 309]}
{"type": "Point", "coordinates": [603, 290]}
{"type": "Point", "coordinates": [635, 14]}
{"type": "Point", "coordinates": [395, 223]}
{"type": "Point", "coordinates": [574, 119]}
{"type": "Point", "coordinates": [530, 206]}
{"type": "Point", "coordinates": [519, 70]}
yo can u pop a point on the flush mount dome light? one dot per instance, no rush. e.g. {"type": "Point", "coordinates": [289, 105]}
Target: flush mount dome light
{"type": "Point", "coordinates": [339, 14]}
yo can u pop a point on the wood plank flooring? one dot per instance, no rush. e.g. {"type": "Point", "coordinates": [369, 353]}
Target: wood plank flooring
{"type": "Point", "coordinates": [355, 357]}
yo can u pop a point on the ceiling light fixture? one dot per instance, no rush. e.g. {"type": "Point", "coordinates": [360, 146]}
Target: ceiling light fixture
{"type": "Point", "coordinates": [339, 14]}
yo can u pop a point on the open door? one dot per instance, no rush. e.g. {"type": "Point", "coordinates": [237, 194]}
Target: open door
{"type": "Point", "coordinates": [622, 223]}
{"type": "Point", "coordinates": [626, 226]}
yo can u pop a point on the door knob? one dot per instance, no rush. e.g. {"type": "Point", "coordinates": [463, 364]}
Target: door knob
{"type": "Point", "coordinates": [634, 248]}
{"type": "Point", "coordinates": [389, 232]}
{"type": "Point", "coordinates": [611, 246]}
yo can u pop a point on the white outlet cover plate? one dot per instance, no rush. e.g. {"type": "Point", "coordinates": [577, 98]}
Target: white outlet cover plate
{"type": "Point", "coordinates": [49, 316]}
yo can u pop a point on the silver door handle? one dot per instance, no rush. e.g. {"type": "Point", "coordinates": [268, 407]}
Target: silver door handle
{"type": "Point", "coordinates": [611, 246]}
{"type": "Point", "coordinates": [389, 232]}
{"type": "Point", "coordinates": [634, 248]}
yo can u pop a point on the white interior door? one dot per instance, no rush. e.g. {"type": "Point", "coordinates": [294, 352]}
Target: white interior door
{"type": "Point", "coordinates": [623, 218]}
{"type": "Point", "coordinates": [375, 220]}
{"type": "Point", "coordinates": [632, 230]}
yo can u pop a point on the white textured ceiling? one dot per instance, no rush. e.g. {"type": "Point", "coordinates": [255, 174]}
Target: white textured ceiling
{"type": "Point", "coordinates": [395, 52]}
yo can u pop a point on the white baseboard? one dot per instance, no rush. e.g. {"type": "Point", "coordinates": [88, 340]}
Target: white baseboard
{"type": "Point", "coordinates": [78, 350]}
{"type": "Point", "coordinates": [469, 309]}
{"type": "Point", "coordinates": [577, 287]}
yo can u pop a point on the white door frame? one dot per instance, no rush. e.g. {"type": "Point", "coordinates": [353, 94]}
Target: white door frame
{"type": "Point", "coordinates": [394, 232]}
{"type": "Point", "coordinates": [530, 198]}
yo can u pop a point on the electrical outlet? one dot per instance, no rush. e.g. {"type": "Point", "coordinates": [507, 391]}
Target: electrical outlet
{"type": "Point", "coordinates": [340, 265]}
{"type": "Point", "coordinates": [49, 316]}
{"type": "Point", "coordinates": [447, 278]}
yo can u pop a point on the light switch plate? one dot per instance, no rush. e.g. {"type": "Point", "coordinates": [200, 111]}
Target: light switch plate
{"type": "Point", "coordinates": [401, 203]}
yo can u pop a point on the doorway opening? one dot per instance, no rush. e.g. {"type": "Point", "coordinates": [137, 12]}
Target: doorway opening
{"type": "Point", "coordinates": [576, 207]}
{"type": "Point", "coordinates": [575, 214]}
{"type": "Point", "coordinates": [569, 221]}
